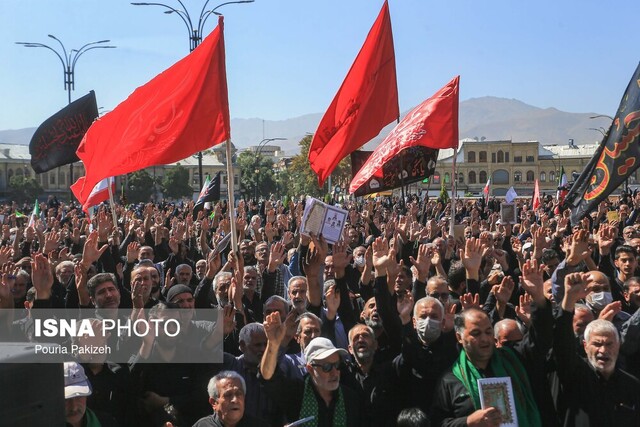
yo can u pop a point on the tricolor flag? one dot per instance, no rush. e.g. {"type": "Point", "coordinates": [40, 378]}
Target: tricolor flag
{"type": "Point", "coordinates": [562, 186]}
{"type": "Point", "coordinates": [487, 189]}
{"type": "Point", "coordinates": [100, 193]}
{"type": "Point", "coordinates": [35, 214]}
{"type": "Point", "coordinates": [210, 192]}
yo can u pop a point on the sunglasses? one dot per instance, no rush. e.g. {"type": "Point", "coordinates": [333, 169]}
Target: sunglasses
{"type": "Point", "coordinates": [328, 367]}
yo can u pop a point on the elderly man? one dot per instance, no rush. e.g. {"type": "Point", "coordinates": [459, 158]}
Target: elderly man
{"type": "Point", "coordinates": [320, 394]}
{"type": "Point", "coordinates": [598, 392]}
{"type": "Point", "coordinates": [76, 390]}
{"type": "Point", "coordinates": [227, 392]}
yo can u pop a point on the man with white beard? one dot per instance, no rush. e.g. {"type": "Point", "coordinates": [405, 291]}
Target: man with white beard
{"type": "Point", "coordinates": [297, 288]}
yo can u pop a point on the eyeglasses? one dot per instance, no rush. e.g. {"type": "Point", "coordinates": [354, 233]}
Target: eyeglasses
{"type": "Point", "coordinates": [443, 296]}
{"type": "Point", "coordinates": [328, 367]}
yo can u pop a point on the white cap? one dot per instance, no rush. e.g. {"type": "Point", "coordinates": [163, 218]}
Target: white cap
{"type": "Point", "coordinates": [76, 383]}
{"type": "Point", "coordinates": [320, 348]}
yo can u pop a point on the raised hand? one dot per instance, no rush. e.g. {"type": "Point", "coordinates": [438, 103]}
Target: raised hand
{"type": "Point", "coordinates": [341, 258]}
{"type": "Point", "coordinates": [380, 255]}
{"type": "Point", "coordinates": [606, 237]}
{"type": "Point", "coordinates": [332, 298]}
{"type": "Point", "coordinates": [423, 263]}
{"type": "Point", "coordinates": [504, 290]}
{"type": "Point", "coordinates": [276, 256]}
{"type": "Point", "coordinates": [575, 289]}
{"type": "Point", "coordinates": [469, 300]}
{"type": "Point", "coordinates": [471, 257]}
{"type": "Point", "coordinates": [91, 253]}
{"type": "Point", "coordinates": [132, 252]}
{"type": "Point", "coordinates": [274, 328]}
{"type": "Point", "coordinates": [610, 311]}
{"type": "Point", "coordinates": [41, 276]}
{"type": "Point", "coordinates": [579, 248]}
{"type": "Point", "coordinates": [404, 305]}
{"type": "Point", "coordinates": [523, 310]}
{"type": "Point", "coordinates": [533, 280]}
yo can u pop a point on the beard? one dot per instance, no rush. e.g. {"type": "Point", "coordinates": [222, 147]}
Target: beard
{"type": "Point", "coordinates": [373, 323]}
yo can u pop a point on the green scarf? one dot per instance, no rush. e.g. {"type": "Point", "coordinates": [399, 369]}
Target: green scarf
{"type": "Point", "coordinates": [310, 407]}
{"type": "Point", "coordinates": [91, 419]}
{"type": "Point", "coordinates": [504, 363]}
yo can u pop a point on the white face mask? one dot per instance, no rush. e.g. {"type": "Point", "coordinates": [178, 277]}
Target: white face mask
{"type": "Point", "coordinates": [599, 300]}
{"type": "Point", "coordinates": [359, 261]}
{"type": "Point", "coordinates": [428, 329]}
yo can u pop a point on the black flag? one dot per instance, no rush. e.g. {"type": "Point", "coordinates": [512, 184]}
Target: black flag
{"type": "Point", "coordinates": [56, 140]}
{"type": "Point", "coordinates": [617, 157]}
{"type": "Point", "coordinates": [419, 162]}
{"type": "Point", "coordinates": [209, 194]}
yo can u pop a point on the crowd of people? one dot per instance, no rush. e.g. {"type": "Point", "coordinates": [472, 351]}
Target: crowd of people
{"type": "Point", "coordinates": [397, 323]}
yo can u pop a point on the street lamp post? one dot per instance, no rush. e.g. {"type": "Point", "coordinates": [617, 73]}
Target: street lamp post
{"type": "Point", "coordinates": [69, 61]}
{"type": "Point", "coordinates": [194, 30]}
{"type": "Point", "coordinates": [261, 145]}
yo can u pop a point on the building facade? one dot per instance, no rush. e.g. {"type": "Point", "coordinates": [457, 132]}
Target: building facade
{"type": "Point", "coordinates": [15, 160]}
{"type": "Point", "coordinates": [512, 164]}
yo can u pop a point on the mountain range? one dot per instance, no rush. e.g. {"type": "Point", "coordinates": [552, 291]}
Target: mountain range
{"type": "Point", "coordinates": [486, 117]}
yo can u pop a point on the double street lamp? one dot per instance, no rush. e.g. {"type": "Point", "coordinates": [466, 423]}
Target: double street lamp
{"type": "Point", "coordinates": [194, 30]}
{"type": "Point", "coordinates": [259, 148]}
{"type": "Point", "coordinates": [69, 61]}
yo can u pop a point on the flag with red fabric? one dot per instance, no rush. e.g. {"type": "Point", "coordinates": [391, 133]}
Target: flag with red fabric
{"type": "Point", "coordinates": [432, 124]}
{"type": "Point", "coordinates": [183, 110]}
{"type": "Point", "coordinates": [365, 103]}
{"type": "Point", "coordinates": [536, 196]}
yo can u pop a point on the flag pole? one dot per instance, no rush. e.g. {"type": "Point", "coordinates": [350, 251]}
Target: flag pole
{"type": "Point", "coordinates": [111, 203]}
{"type": "Point", "coordinates": [231, 201]}
{"type": "Point", "coordinates": [453, 192]}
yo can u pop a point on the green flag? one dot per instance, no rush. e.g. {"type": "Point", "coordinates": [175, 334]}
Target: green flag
{"type": "Point", "coordinates": [20, 215]}
{"type": "Point", "coordinates": [35, 214]}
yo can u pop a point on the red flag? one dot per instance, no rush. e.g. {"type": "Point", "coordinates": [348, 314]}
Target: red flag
{"type": "Point", "coordinates": [432, 124]}
{"type": "Point", "coordinates": [536, 196]}
{"type": "Point", "coordinates": [365, 103]}
{"type": "Point", "coordinates": [183, 110]}
{"type": "Point", "coordinates": [100, 193]}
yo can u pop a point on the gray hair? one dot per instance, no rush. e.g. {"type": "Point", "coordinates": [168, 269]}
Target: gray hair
{"type": "Point", "coordinates": [221, 275]}
{"type": "Point", "coordinates": [273, 298]}
{"type": "Point", "coordinates": [294, 278]}
{"type": "Point", "coordinates": [24, 275]}
{"type": "Point", "coordinates": [426, 300]}
{"type": "Point", "coordinates": [212, 387]}
{"type": "Point", "coordinates": [252, 268]}
{"type": "Point", "coordinates": [503, 324]}
{"type": "Point", "coordinates": [64, 264]}
{"type": "Point", "coordinates": [600, 327]}
{"type": "Point", "coordinates": [183, 267]}
{"type": "Point", "coordinates": [307, 315]}
{"type": "Point", "coordinates": [326, 285]}
{"type": "Point", "coordinates": [248, 330]}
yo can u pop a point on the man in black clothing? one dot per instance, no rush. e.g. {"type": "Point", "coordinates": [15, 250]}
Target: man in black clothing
{"type": "Point", "coordinates": [320, 394]}
{"type": "Point", "coordinates": [597, 391]}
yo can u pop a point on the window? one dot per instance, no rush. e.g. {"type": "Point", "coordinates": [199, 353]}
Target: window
{"type": "Point", "coordinates": [63, 179]}
{"type": "Point", "coordinates": [471, 157]}
{"type": "Point", "coordinates": [500, 156]}
{"type": "Point", "coordinates": [517, 159]}
{"type": "Point", "coordinates": [472, 177]}
{"type": "Point", "coordinates": [52, 178]}
{"type": "Point", "coordinates": [483, 177]}
{"type": "Point", "coordinates": [552, 176]}
{"type": "Point", "coordinates": [506, 157]}
{"type": "Point", "coordinates": [500, 176]}
{"type": "Point", "coordinates": [235, 180]}
{"type": "Point", "coordinates": [447, 178]}
{"type": "Point", "coordinates": [517, 176]}
{"type": "Point", "coordinates": [530, 159]}
{"type": "Point", "coordinates": [543, 177]}
{"type": "Point", "coordinates": [530, 176]}
{"type": "Point", "coordinates": [461, 178]}
{"type": "Point", "coordinates": [482, 157]}
{"type": "Point", "coordinates": [493, 157]}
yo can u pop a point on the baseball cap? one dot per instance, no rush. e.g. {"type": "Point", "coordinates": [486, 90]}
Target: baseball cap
{"type": "Point", "coordinates": [320, 348]}
{"type": "Point", "coordinates": [176, 290]}
{"type": "Point", "coordinates": [76, 383]}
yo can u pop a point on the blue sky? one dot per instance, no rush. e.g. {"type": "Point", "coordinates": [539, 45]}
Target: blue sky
{"type": "Point", "coordinates": [287, 58]}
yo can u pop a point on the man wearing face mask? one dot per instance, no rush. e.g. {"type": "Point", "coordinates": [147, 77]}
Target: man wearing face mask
{"type": "Point", "coordinates": [600, 298]}
{"type": "Point", "coordinates": [428, 348]}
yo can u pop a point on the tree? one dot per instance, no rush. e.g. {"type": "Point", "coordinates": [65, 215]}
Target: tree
{"type": "Point", "coordinates": [252, 184]}
{"type": "Point", "coordinates": [303, 180]}
{"type": "Point", "coordinates": [141, 187]}
{"type": "Point", "coordinates": [24, 189]}
{"type": "Point", "coordinates": [176, 183]}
